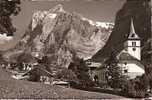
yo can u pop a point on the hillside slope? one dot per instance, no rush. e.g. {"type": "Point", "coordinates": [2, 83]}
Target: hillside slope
{"type": "Point", "coordinates": [10, 88]}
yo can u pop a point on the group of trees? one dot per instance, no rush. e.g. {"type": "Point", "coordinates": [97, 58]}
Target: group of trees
{"type": "Point", "coordinates": [148, 73]}
{"type": "Point", "coordinates": [131, 87]}
{"type": "Point", "coordinates": [7, 9]}
{"type": "Point", "coordinates": [77, 73]}
{"type": "Point", "coordinates": [66, 75]}
{"type": "Point", "coordinates": [137, 87]}
{"type": "Point", "coordinates": [141, 86]}
{"type": "Point", "coordinates": [79, 67]}
{"type": "Point", "coordinates": [115, 78]}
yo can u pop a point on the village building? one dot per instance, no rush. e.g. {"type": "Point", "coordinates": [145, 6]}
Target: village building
{"type": "Point", "coordinates": [97, 72]}
{"type": "Point", "coordinates": [129, 60]}
{"type": "Point", "coordinates": [130, 57]}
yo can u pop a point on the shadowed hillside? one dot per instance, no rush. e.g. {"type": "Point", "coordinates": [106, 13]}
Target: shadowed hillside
{"type": "Point", "coordinates": [140, 12]}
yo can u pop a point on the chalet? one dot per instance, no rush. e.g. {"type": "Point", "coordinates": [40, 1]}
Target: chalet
{"type": "Point", "coordinates": [97, 72]}
{"type": "Point", "coordinates": [37, 73]}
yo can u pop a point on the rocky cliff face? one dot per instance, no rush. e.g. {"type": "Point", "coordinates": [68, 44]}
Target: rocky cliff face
{"type": "Point", "coordinates": [61, 35]}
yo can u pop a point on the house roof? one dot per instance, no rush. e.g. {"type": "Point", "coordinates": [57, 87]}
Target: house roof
{"type": "Point", "coordinates": [123, 56]}
{"type": "Point", "coordinates": [42, 70]}
{"type": "Point", "coordinates": [94, 64]}
{"type": "Point", "coordinates": [102, 67]}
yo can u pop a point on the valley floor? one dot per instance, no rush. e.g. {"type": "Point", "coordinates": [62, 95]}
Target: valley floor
{"type": "Point", "coordinates": [11, 88]}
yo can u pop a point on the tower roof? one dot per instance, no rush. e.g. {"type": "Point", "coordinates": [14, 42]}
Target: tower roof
{"type": "Point", "coordinates": [132, 34]}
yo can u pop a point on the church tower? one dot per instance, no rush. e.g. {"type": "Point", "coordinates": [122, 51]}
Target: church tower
{"type": "Point", "coordinates": [133, 45]}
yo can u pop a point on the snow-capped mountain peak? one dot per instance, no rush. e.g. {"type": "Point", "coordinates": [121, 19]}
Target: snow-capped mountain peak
{"type": "Point", "coordinates": [62, 35]}
{"type": "Point", "coordinates": [105, 25]}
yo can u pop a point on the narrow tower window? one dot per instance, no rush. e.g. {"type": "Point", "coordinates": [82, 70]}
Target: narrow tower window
{"type": "Point", "coordinates": [133, 43]}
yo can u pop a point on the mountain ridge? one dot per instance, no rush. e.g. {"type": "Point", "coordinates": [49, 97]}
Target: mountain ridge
{"type": "Point", "coordinates": [61, 35]}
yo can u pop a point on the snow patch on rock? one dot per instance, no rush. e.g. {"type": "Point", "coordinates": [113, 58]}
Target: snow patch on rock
{"type": "Point", "coordinates": [105, 25]}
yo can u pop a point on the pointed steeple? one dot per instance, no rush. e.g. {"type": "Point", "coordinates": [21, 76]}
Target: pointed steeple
{"type": "Point", "coordinates": [132, 34]}
{"type": "Point", "coordinates": [132, 28]}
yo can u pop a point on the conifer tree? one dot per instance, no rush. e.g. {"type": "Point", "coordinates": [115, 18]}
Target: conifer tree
{"type": "Point", "coordinates": [115, 77]}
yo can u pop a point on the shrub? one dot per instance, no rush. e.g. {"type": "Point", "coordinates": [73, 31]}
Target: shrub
{"type": "Point", "coordinates": [80, 69]}
{"type": "Point", "coordinates": [115, 78]}
{"type": "Point", "coordinates": [34, 75]}
{"type": "Point", "coordinates": [65, 74]}
{"type": "Point", "coordinates": [136, 87]}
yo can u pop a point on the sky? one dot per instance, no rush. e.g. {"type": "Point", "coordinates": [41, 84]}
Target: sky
{"type": "Point", "coordinates": [96, 10]}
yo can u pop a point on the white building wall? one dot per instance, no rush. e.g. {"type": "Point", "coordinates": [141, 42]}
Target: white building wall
{"type": "Point", "coordinates": [129, 47]}
{"type": "Point", "coordinates": [136, 53]}
{"type": "Point", "coordinates": [130, 42]}
{"type": "Point", "coordinates": [133, 70]}
{"type": "Point", "coordinates": [101, 75]}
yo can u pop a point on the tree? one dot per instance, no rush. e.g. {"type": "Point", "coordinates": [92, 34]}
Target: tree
{"type": "Point", "coordinates": [79, 67]}
{"type": "Point", "coordinates": [34, 75]}
{"type": "Point", "coordinates": [149, 74]}
{"type": "Point", "coordinates": [8, 8]}
{"type": "Point", "coordinates": [67, 75]}
{"type": "Point", "coordinates": [115, 78]}
{"type": "Point", "coordinates": [137, 87]}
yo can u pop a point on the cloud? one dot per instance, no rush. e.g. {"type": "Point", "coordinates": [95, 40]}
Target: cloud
{"type": "Point", "coordinates": [4, 38]}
